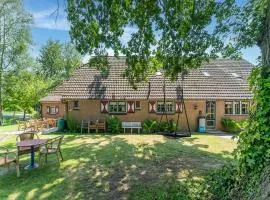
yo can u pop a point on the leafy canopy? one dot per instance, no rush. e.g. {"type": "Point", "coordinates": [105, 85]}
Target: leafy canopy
{"type": "Point", "coordinates": [57, 61]}
{"type": "Point", "coordinates": [175, 35]}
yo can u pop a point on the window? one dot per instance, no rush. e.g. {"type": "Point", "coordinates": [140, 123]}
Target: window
{"type": "Point", "coordinates": [75, 105]}
{"type": "Point", "coordinates": [52, 110]}
{"type": "Point", "coordinates": [237, 107]}
{"type": "Point", "coordinates": [169, 107]}
{"type": "Point", "coordinates": [117, 107]}
{"type": "Point", "coordinates": [244, 107]}
{"type": "Point", "coordinates": [229, 107]}
{"type": "Point", "coordinates": [137, 105]}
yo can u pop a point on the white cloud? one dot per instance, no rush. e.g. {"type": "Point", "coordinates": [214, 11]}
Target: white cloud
{"type": "Point", "coordinates": [50, 19]}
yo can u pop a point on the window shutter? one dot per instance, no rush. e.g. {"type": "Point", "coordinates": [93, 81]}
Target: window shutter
{"type": "Point", "coordinates": [131, 107]}
{"type": "Point", "coordinates": [152, 106]}
{"type": "Point", "coordinates": [56, 109]}
{"type": "Point", "coordinates": [178, 107]}
{"type": "Point", "coordinates": [104, 106]}
{"type": "Point", "coordinates": [48, 109]}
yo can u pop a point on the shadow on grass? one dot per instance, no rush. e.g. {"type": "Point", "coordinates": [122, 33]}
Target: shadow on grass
{"type": "Point", "coordinates": [112, 167]}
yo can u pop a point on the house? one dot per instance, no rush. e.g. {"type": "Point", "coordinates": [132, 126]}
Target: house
{"type": "Point", "coordinates": [218, 89]}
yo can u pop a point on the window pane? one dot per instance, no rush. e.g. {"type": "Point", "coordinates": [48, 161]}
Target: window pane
{"type": "Point", "coordinates": [160, 106]}
{"type": "Point", "coordinates": [228, 107]}
{"type": "Point", "coordinates": [52, 110]}
{"type": "Point", "coordinates": [169, 106]}
{"type": "Point", "coordinates": [121, 107]}
{"type": "Point", "coordinates": [113, 107]}
{"type": "Point", "coordinates": [237, 108]}
{"type": "Point", "coordinates": [244, 107]}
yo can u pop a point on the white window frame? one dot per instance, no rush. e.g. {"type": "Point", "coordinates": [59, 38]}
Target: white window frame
{"type": "Point", "coordinates": [240, 107]}
{"type": "Point", "coordinates": [232, 104]}
{"type": "Point", "coordinates": [117, 103]}
{"type": "Point", "coordinates": [53, 110]}
{"type": "Point", "coordinates": [137, 107]}
{"type": "Point", "coordinates": [247, 108]}
{"type": "Point", "coordinates": [166, 107]}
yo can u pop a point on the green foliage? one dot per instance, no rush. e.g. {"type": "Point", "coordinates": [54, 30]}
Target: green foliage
{"type": "Point", "coordinates": [57, 61]}
{"type": "Point", "coordinates": [220, 183]}
{"type": "Point", "coordinates": [14, 40]}
{"type": "Point", "coordinates": [165, 34]}
{"type": "Point", "coordinates": [150, 126]}
{"type": "Point", "coordinates": [254, 142]}
{"type": "Point", "coordinates": [23, 90]}
{"type": "Point", "coordinates": [232, 125]}
{"type": "Point", "coordinates": [166, 126]}
{"type": "Point", "coordinates": [114, 125]}
{"type": "Point", "coordinates": [72, 124]}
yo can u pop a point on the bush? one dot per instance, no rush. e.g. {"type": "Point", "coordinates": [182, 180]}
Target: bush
{"type": "Point", "coordinates": [72, 124]}
{"type": "Point", "coordinates": [150, 126]}
{"type": "Point", "coordinates": [231, 125]}
{"type": "Point", "coordinates": [113, 125]}
{"type": "Point", "coordinates": [220, 183]}
{"type": "Point", "coordinates": [166, 126]}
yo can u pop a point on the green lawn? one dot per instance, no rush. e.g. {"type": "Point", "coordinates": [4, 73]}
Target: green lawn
{"type": "Point", "coordinates": [120, 167]}
{"type": "Point", "coordinates": [8, 128]}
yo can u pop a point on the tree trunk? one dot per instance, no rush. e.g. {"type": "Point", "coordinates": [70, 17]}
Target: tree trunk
{"type": "Point", "coordinates": [265, 44]}
{"type": "Point", "coordinates": [24, 115]}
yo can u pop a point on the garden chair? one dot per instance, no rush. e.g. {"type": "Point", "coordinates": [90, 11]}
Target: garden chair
{"type": "Point", "coordinates": [51, 122]}
{"type": "Point", "coordinates": [21, 125]}
{"type": "Point", "coordinates": [8, 157]}
{"type": "Point", "coordinates": [101, 125]}
{"type": "Point", "coordinates": [52, 146]}
{"type": "Point", "coordinates": [26, 136]}
{"type": "Point", "coordinates": [92, 126]}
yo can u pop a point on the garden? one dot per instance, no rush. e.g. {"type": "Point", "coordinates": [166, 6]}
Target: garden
{"type": "Point", "coordinates": [120, 167]}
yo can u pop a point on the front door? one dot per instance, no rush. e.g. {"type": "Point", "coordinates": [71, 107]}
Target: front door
{"type": "Point", "coordinates": [210, 114]}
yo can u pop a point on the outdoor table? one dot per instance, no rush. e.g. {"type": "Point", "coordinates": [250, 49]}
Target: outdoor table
{"type": "Point", "coordinates": [32, 144]}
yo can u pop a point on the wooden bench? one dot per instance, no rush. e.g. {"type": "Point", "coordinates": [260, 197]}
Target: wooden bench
{"type": "Point", "coordinates": [131, 126]}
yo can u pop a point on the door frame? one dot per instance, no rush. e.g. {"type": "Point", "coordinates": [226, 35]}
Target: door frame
{"type": "Point", "coordinates": [215, 116]}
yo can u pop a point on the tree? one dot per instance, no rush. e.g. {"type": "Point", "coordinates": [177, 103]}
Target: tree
{"type": "Point", "coordinates": [23, 91]}
{"type": "Point", "coordinates": [14, 38]}
{"type": "Point", "coordinates": [58, 61]}
{"type": "Point", "coordinates": [172, 34]}
{"type": "Point", "coordinates": [179, 35]}
{"type": "Point", "coordinates": [251, 26]}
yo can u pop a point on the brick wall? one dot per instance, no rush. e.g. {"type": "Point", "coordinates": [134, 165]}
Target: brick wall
{"type": "Point", "coordinates": [60, 114]}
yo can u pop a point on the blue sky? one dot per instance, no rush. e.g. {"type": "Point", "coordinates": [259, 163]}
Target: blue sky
{"type": "Point", "coordinates": [46, 26]}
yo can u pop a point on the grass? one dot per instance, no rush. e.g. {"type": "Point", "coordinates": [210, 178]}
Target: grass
{"type": "Point", "coordinates": [120, 167]}
{"type": "Point", "coordinates": [8, 128]}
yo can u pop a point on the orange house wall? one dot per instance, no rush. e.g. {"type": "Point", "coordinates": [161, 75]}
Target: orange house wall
{"type": "Point", "coordinates": [90, 110]}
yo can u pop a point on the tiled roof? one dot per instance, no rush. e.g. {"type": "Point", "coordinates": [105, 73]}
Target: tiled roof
{"type": "Point", "coordinates": [218, 79]}
{"type": "Point", "coordinates": [51, 98]}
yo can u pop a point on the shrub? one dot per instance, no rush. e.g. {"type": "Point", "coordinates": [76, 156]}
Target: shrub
{"type": "Point", "coordinates": [113, 125]}
{"type": "Point", "coordinates": [150, 126]}
{"type": "Point", "coordinates": [231, 125]}
{"type": "Point", "coordinates": [166, 126]}
{"type": "Point", "coordinates": [220, 183]}
{"type": "Point", "coordinates": [72, 124]}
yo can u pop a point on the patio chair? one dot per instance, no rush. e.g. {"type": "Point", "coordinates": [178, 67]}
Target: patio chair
{"type": "Point", "coordinates": [101, 125]}
{"type": "Point", "coordinates": [51, 122]}
{"type": "Point", "coordinates": [26, 136]}
{"type": "Point", "coordinates": [52, 146]}
{"type": "Point", "coordinates": [6, 159]}
{"type": "Point", "coordinates": [92, 126]}
{"type": "Point", "coordinates": [21, 125]}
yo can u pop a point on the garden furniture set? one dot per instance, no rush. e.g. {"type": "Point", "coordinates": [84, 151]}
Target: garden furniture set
{"type": "Point", "coordinates": [29, 143]}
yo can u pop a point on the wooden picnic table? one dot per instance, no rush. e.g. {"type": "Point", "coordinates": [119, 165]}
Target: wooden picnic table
{"type": "Point", "coordinates": [32, 144]}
